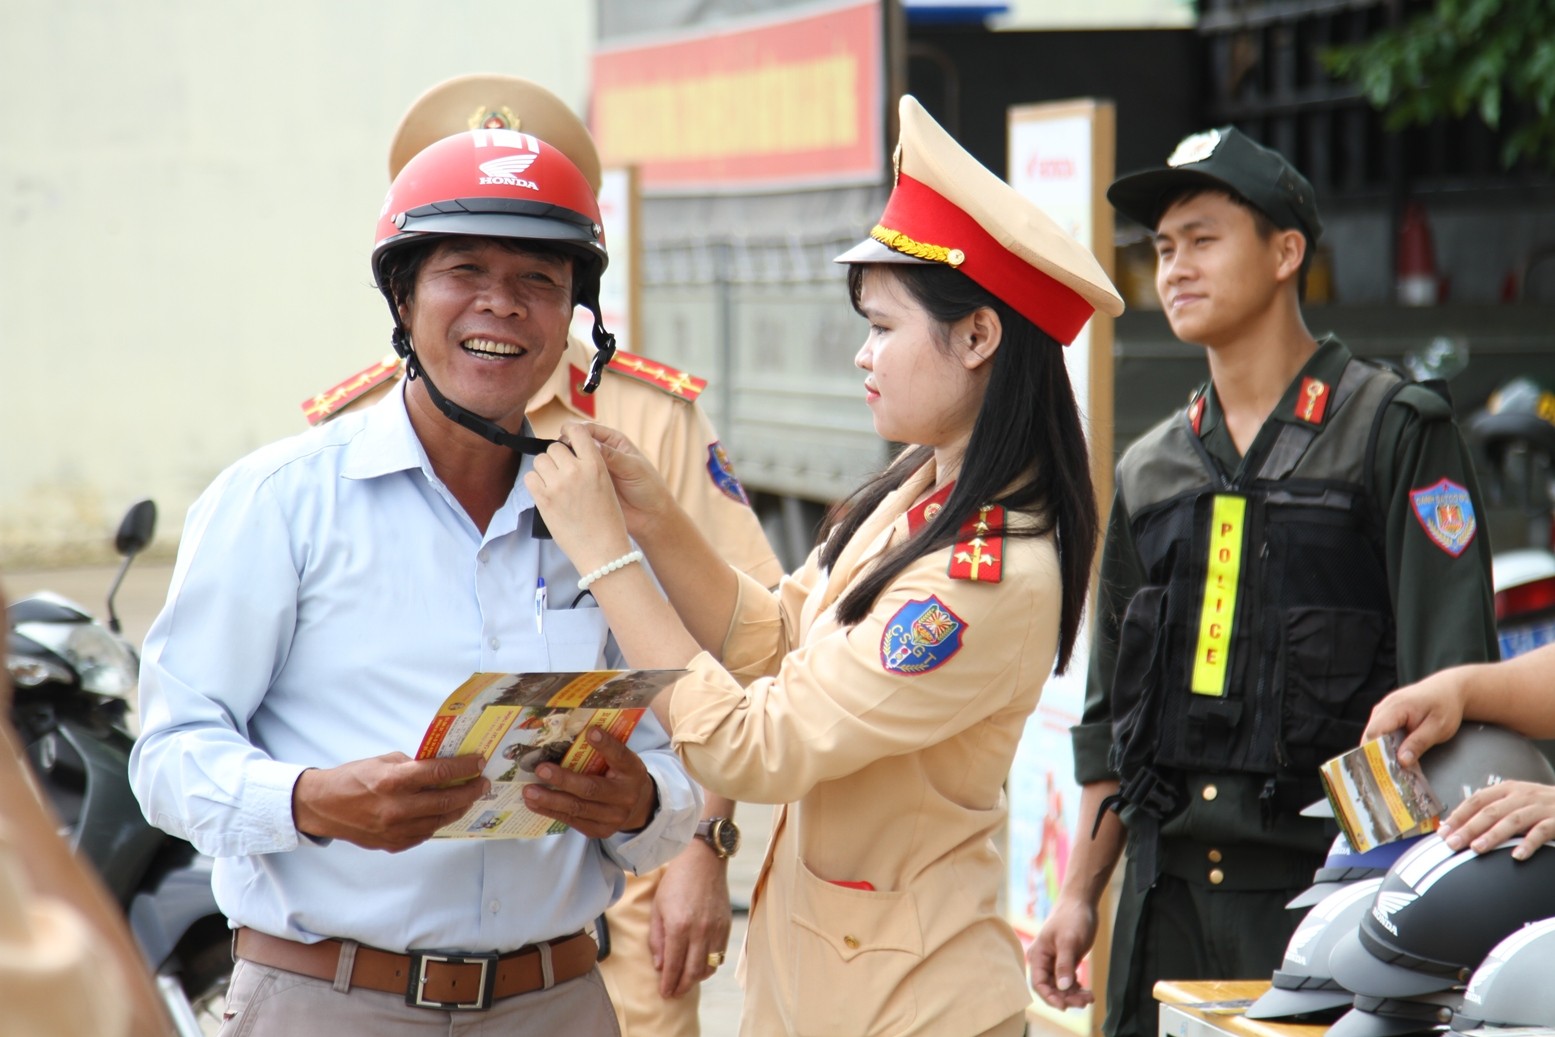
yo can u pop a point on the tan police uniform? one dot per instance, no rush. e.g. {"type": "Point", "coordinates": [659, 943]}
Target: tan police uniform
{"type": "Point", "coordinates": [890, 743]}
{"type": "Point", "coordinates": [654, 405]}
{"type": "Point", "coordinates": [876, 910]}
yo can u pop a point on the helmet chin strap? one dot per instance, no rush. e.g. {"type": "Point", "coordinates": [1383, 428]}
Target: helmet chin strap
{"type": "Point", "coordinates": [483, 427]}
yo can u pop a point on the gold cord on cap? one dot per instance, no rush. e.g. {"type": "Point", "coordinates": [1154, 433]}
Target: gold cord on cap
{"type": "Point", "coordinates": [899, 242]}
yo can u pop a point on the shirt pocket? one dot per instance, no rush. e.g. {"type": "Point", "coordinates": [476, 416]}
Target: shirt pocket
{"type": "Point", "coordinates": [575, 639]}
{"type": "Point", "coordinates": [852, 951]}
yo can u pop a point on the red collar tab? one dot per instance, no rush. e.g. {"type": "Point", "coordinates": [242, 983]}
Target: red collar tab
{"type": "Point", "coordinates": [661, 376]}
{"type": "Point", "coordinates": [1196, 412]}
{"type": "Point", "coordinates": [920, 516]}
{"type": "Point", "coordinates": [920, 221]}
{"type": "Point", "coordinates": [980, 557]}
{"type": "Point", "coordinates": [319, 408]}
{"type": "Point", "coordinates": [1312, 401]}
{"type": "Point", "coordinates": [582, 402]}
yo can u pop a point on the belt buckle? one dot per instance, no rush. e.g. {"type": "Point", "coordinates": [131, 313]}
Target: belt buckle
{"type": "Point", "coordinates": [419, 960]}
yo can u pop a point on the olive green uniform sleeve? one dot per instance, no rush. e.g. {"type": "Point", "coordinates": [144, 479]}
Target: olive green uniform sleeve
{"type": "Point", "coordinates": [1443, 604]}
{"type": "Point", "coordinates": [1121, 576]}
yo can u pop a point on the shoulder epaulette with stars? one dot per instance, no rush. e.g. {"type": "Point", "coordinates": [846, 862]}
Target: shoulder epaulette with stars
{"type": "Point", "coordinates": [661, 376]}
{"type": "Point", "coordinates": [979, 556]}
{"type": "Point", "coordinates": [319, 408]}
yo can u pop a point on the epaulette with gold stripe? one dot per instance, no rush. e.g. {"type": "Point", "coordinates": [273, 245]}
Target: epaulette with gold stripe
{"type": "Point", "coordinates": [661, 376]}
{"type": "Point", "coordinates": [979, 556]}
{"type": "Point", "coordinates": [320, 408]}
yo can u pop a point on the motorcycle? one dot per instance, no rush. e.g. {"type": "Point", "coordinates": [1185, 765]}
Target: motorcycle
{"type": "Point", "coordinates": [1514, 434]}
{"type": "Point", "coordinates": [74, 683]}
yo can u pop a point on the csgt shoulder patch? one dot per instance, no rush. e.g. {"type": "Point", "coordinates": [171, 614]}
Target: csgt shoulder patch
{"type": "Point", "coordinates": [722, 471]}
{"type": "Point", "coordinates": [922, 636]}
{"type": "Point", "coordinates": [1446, 513]}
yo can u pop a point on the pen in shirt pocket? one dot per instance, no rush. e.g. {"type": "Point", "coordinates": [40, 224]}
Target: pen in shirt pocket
{"type": "Point", "coordinates": [540, 605]}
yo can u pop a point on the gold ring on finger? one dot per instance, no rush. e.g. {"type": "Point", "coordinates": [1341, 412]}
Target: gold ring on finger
{"type": "Point", "coordinates": [715, 959]}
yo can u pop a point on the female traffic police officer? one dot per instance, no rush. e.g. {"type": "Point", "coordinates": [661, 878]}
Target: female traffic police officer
{"type": "Point", "coordinates": [891, 676]}
{"type": "Point", "coordinates": [1280, 554]}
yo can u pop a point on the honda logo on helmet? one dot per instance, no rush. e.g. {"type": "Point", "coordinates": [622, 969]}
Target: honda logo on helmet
{"type": "Point", "coordinates": [1387, 904]}
{"type": "Point", "coordinates": [506, 170]}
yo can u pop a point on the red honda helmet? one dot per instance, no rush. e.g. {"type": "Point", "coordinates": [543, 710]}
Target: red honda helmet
{"type": "Point", "coordinates": [500, 184]}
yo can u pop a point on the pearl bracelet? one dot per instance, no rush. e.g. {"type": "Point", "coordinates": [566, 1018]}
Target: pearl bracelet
{"type": "Point", "coordinates": [610, 567]}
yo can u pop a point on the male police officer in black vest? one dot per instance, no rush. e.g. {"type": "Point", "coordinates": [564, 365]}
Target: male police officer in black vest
{"type": "Point", "coordinates": [1296, 542]}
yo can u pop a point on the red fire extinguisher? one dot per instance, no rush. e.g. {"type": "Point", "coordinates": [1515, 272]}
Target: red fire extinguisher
{"type": "Point", "coordinates": [1417, 282]}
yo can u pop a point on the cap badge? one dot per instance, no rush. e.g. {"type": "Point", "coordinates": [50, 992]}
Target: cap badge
{"type": "Point", "coordinates": [896, 241]}
{"type": "Point", "coordinates": [498, 118]}
{"type": "Point", "coordinates": [1195, 148]}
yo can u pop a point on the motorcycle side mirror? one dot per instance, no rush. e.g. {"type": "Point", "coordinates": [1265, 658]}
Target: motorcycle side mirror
{"type": "Point", "coordinates": [135, 532]}
{"type": "Point", "coordinates": [137, 528]}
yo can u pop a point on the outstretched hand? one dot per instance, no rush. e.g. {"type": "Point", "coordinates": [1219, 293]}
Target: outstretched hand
{"type": "Point", "coordinates": [571, 486]}
{"type": "Point", "coordinates": [622, 799]}
{"type": "Point", "coordinates": [1503, 811]}
{"type": "Point", "coordinates": [1054, 957]}
{"type": "Point", "coordinates": [388, 802]}
{"type": "Point", "coordinates": [640, 489]}
{"type": "Point", "coordinates": [1428, 712]}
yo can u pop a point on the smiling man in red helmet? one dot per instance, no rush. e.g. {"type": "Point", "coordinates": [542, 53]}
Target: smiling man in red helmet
{"type": "Point", "coordinates": [332, 588]}
{"type": "Point", "coordinates": [670, 929]}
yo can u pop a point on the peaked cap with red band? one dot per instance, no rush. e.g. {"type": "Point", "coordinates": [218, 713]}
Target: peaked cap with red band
{"type": "Point", "coordinates": [948, 208]}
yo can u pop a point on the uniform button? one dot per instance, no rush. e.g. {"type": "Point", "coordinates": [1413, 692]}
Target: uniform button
{"type": "Point", "coordinates": [495, 906]}
{"type": "Point", "coordinates": [1214, 856]}
{"type": "Point", "coordinates": [851, 942]}
{"type": "Point", "coordinates": [1216, 876]}
{"type": "Point", "coordinates": [482, 557]}
{"type": "Point", "coordinates": [1210, 792]}
{"type": "Point", "coordinates": [494, 644]}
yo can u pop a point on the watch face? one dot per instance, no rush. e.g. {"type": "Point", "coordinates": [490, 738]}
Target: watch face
{"type": "Point", "coordinates": [723, 836]}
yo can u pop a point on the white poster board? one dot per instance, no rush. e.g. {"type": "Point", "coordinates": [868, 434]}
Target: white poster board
{"type": "Point", "coordinates": [1061, 156]}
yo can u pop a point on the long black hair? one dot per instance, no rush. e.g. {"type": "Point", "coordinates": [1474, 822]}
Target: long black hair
{"type": "Point", "coordinates": [1027, 452]}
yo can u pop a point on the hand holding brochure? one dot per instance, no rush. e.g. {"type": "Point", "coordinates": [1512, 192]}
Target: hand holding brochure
{"type": "Point", "coordinates": [1375, 798]}
{"type": "Point", "coordinates": [517, 721]}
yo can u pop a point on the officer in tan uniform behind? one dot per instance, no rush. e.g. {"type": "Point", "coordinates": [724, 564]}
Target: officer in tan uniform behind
{"type": "Point", "coordinates": [670, 929]}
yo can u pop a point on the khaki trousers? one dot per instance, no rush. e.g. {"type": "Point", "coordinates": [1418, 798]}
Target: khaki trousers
{"type": "Point", "coordinates": [266, 1002]}
{"type": "Point", "coordinates": [629, 974]}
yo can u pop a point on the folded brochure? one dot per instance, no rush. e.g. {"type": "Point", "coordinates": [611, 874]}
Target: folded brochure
{"type": "Point", "coordinates": [517, 721]}
{"type": "Point", "coordinates": [1375, 798]}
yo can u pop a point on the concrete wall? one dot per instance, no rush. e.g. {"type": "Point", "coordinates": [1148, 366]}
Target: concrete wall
{"type": "Point", "coordinates": [188, 193]}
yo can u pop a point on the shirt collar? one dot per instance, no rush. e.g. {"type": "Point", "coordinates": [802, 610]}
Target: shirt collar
{"type": "Point", "coordinates": [385, 442]}
{"type": "Point", "coordinates": [1326, 365]}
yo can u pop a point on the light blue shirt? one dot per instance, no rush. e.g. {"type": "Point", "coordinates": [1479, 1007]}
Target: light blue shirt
{"type": "Point", "coordinates": [329, 593]}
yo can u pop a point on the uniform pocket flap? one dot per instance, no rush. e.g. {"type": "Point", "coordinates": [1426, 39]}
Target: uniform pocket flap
{"type": "Point", "coordinates": [854, 921]}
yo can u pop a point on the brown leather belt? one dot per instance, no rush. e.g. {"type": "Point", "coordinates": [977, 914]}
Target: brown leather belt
{"type": "Point", "coordinates": [448, 980]}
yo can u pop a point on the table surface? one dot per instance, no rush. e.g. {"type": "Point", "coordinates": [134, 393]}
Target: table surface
{"type": "Point", "coordinates": [1213, 1008]}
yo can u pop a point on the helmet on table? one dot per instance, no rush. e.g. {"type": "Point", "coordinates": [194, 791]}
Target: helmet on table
{"type": "Point", "coordinates": [1343, 867]}
{"type": "Point", "coordinates": [1512, 986]}
{"type": "Point", "coordinates": [1436, 916]}
{"type": "Point", "coordinates": [1304, 984]}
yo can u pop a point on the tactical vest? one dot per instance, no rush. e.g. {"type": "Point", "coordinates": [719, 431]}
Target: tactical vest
{"type": "Point", "coordinates": [1263, 633]}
